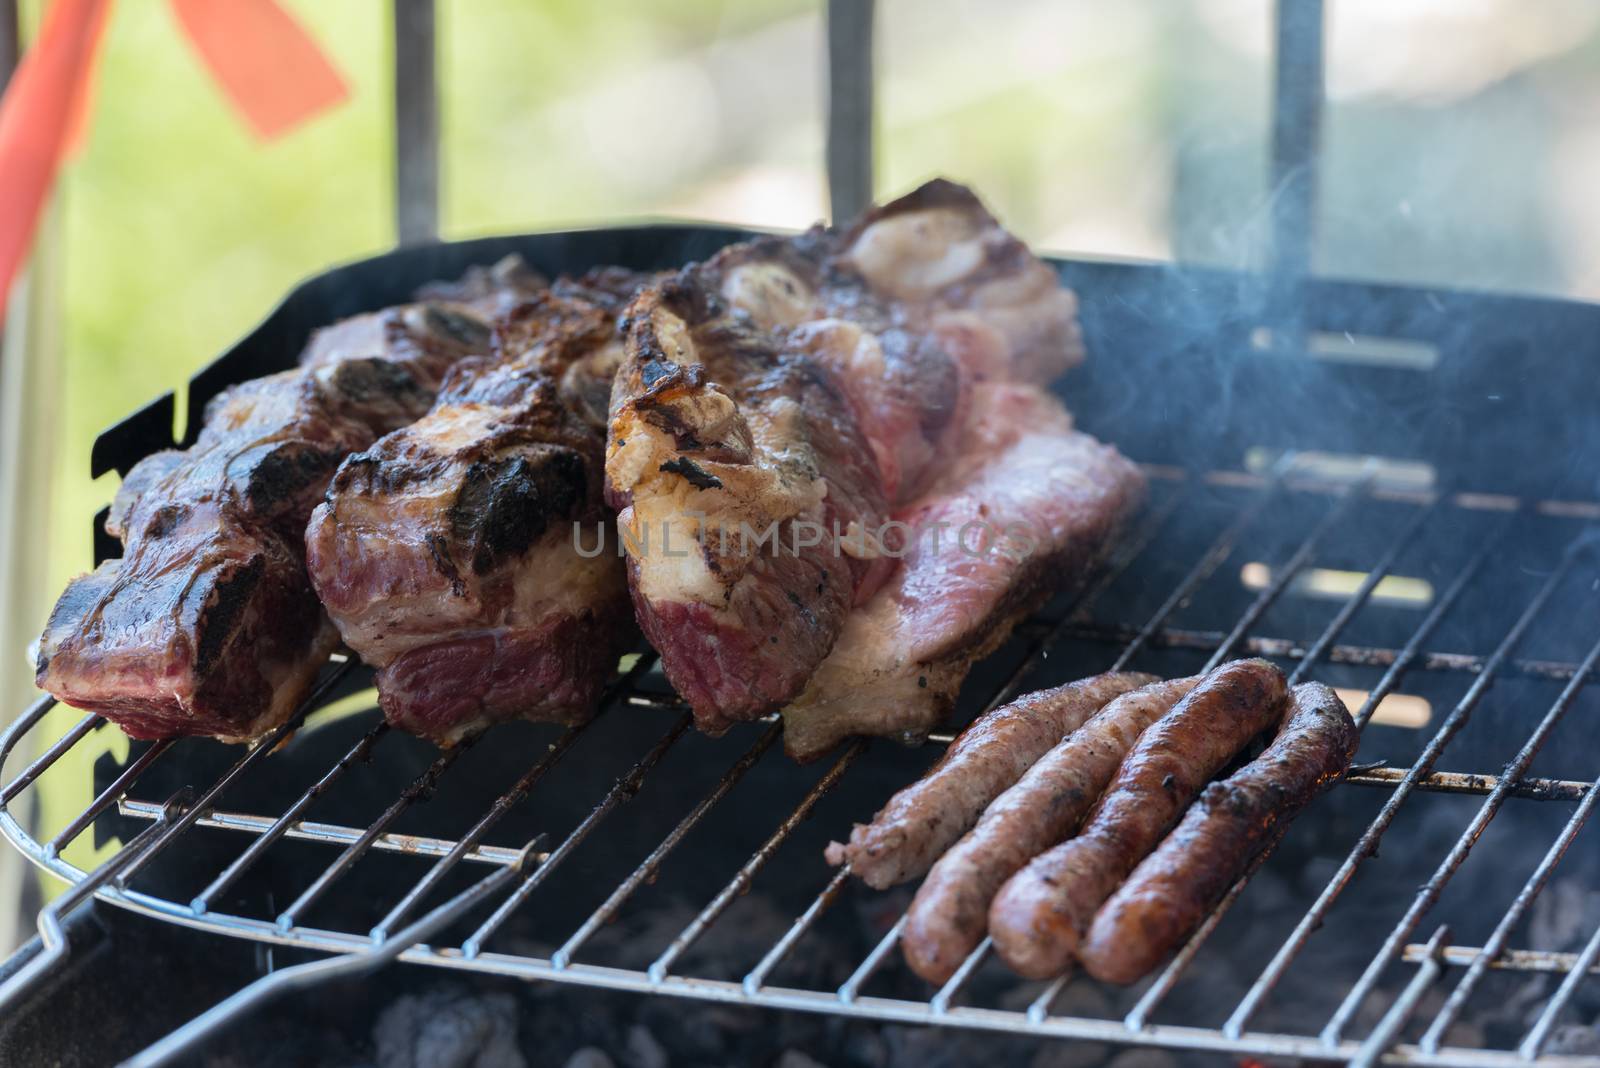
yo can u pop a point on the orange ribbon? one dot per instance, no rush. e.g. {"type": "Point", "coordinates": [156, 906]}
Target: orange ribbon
{"type": "Point", "coordinates": [272, 71]}
{"type": "Point", "coordinates": [36, 117]}
{"type": "Point", "coordinates": [268, 66]}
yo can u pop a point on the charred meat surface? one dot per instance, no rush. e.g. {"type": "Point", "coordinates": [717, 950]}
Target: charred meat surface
{"type": "Point", "coordinates": [448, 553]}
{"type": "Point", "coordinates": [920, 822]}
{"type": "Point", "coordinates": [1029, 507]}
{"type": "Point", "coordinates": [1041, 913]}
{"type": "Point", "coordinates": [739, 473]}
{"type": "Point", "coordinates": [1168, 894]}
{"type": "Point", "coordinates": [207, 624]}
{"type": "Point", "coordinates": [950, 914]}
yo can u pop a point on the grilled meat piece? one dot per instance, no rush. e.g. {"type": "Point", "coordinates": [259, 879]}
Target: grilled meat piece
{"type": "Point", "coordinates": [736, 467]}
{"type": "Point", "coordinates": [908, 307]}
{"type": "Point", "coordinates": [950, 914]}
{"type": "Point", "coordinates": [1168, 894]}
{"type": "Point", "coordinates": [447, 553]}
{"type": "Point", "coordinates": [490, 291]}
{"type": "Point", "coordinates": [905, 388]}
{"type": "Point", "coordinates": [1039, 915]}
{"type": "Point", "coordinates": [448, 320]}
{"type": "Point", "coordinates": [1028, 507]}
{"type": "Point", "coordinates": [939, 326]}
{"type": "Point", "coordinates": [207, 624]}
{"type": "Point", "coordinates": [920, 822]}
{"type": "Point", "coordinates": [905, 311]}
{"type": "Point", "coordinates": [946, 264]}
{"type": "Point", "coordinates": [459, 313]}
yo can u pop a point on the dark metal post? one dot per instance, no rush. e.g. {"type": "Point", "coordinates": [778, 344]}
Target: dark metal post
{"type": "Point", "coordinates": [10, 41]}
{"type": "Point", "coordinates": [1296, 134]}
{"type": "Point", "coordinates": [849, 107]}
{"type": "Point", "coordinates": [416, 122]}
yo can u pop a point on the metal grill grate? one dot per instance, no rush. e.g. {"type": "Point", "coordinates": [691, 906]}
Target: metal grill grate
{"type": "Point", "coordinates": [1227, 517]}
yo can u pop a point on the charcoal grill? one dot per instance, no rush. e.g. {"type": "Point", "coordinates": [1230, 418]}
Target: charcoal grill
{"type": "Point", "coordinates": [1297, 432]}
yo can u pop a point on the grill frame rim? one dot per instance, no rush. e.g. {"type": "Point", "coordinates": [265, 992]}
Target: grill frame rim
{"type": "Point", "coordinates": [116, 448]}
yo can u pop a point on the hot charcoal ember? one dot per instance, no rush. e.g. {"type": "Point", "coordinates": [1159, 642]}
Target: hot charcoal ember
{"type": "Point", "coordinates": [1028, 507]}
{"type": "Point", "coordinates": [1171, 891]}
{"type": "Point", "coordinates": [920, 822]}
{"type": "Point", "coordinates": [446, 553]}
{"type": "Point", "coordinates": [950, 914]}
{"type": "Point", "coordinates": [1041, 913]}
{"type": "Point", "coordinates": [207, 624]}
{"type": "Point", "coordinates": [731, 462]}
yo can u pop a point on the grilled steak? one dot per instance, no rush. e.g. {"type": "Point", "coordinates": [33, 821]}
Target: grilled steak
{"type": "Point", "coordinates": [735, 465]}
{"type": "Point", "coordinates": [447, 553]}
{"type": "Point", "coordinates": [1028, 507]}
{"type": "Point", "coordinates": [1040, 914]}
{"type": "Point", "coordinates": [1168, 894]}
{"type": "Point", "coordinates": [909, 311]}
{"type": "Point", "coordinates": [207, 624]}
{"type": "Point", "coordinates": [950, 914]}
{"type": "Point", "coordinates": [920, 822]}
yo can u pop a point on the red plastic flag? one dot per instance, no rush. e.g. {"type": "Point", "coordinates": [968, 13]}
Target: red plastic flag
{"type": "Point", "coordinates": [271, 68]}
{"type": "Point", "coordinates": [83, 104]}
{"type": "Point", "coordinates": [36, 117]}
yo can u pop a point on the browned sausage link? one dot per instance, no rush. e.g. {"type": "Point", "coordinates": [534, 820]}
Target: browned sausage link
{"type": "Point", "coordinates": [921, 821]}
{"type": "Point", "coordinates": [951, 910]}
{"type": "Point", "coordinates": [1039, 915]}
{"type": "Point", "coordinates": [1170, 893]}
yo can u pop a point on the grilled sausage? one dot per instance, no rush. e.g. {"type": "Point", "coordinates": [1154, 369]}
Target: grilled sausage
{"type": "Point", "coordinates": [1170, 893]}
{"type": "Point", "coordinates": [920, 822]}
{"type": "Point", "coordinates": [1038, 917]}
{"type": "Point", "coordinates": [951, 911]}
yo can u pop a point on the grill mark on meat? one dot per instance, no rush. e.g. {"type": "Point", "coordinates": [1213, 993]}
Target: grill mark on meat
{"type": "Point", "coordinates": [439, 550]}
{"type": "Point", "coordinates": [505, 505]}
{"type": "Point", "coordinates": [165, 520]}
{"type": "Point", "coordinates": [279, 475]}
{"type": "Point", "coordinates": [219, 620]}
{"type": "Point", "coordinates": [469, 332]}
{"type": "Point", "coordinates": [695, 475]}
{"type": "Point", "coordinates": [1173, 889]}
{"type": "Point", "coordinates": [920, 822]}
{"type": "Point", "coordinates": [950, 913]}
{"type": "Point", "coordinates": [1040, 914]}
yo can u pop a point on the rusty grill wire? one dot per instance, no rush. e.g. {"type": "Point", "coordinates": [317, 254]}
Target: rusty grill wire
{"type": "Point", "coordinates": [522, 868]}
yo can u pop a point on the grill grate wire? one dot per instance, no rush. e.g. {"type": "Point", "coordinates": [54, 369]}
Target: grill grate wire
{"type": "Point", "coordinates": [522, 870]}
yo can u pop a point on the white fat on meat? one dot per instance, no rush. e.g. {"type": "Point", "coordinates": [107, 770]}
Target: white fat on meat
{"type": "Point", "coordinates": [914, 254]}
